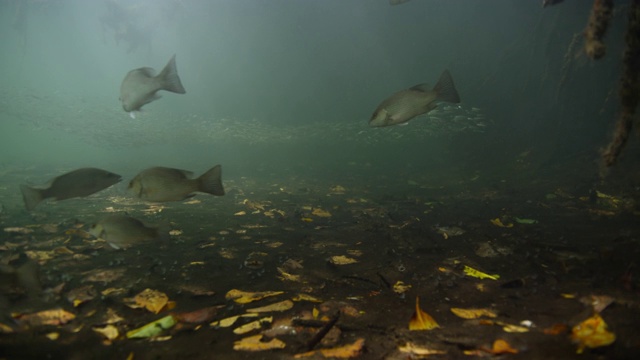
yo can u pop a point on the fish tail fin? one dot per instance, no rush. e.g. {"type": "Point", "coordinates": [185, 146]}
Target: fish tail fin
{"type": "Point", "coordinates": [211, 181]}
{"type": "Point", "coordinates": [170, 79]}
{"type": "Point", "coordinates": [445, 89]}
{"type": "Point", "coordinates": [32, 197]}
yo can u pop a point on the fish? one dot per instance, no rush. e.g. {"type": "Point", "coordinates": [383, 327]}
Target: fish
{"type": "Point", "coordinates": [141, 85]}
{"type": "Point", "coordinates": [77, 183]}
{"type": "Point", "coordinates": [160, 184]}
{"type": "Point", "coordinates": [122, 231]}
{"type": "Point", "coordinates": [20, 274]}
{"type": "Point", "coordinates": [404, 105]}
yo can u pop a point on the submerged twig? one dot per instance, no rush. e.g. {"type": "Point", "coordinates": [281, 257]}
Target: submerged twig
{"type": "Point", "coordinates": [315, 340]}
{"type": "Point", "coordinates": [629, 87]}
{"type": "Point", "coordinates": [601, 13]}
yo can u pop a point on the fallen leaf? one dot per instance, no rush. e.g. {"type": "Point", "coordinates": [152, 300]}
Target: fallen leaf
{"type": "Point", "coordinates": [47, 317]}
{"type": "Point", "coordinates": [598, 302]}
{"type": "Point", "coordinates": [110, 291]}
{"type": "Point", "coordinates": [254, 343]}
{"type": "Point", "coordinates": [53, 336]}
{"type": "Point", "coordinates": [502, 347]}
{"type": "Point", "coordinates": [198, 316]}
{"type": "Point", "coordinates": [81, 295]}
{"type": "Point", "coordinates": [525, 221]}
{"type": "Point", "coordinates": [337, 190]}
{"type": "Point", "coordinates": [149, 299]}
{"type": "Point", "coordinates": [6, 329]}
{"type": "Point", "coordinates": [279, 306]}
{"type": "Point", "coordinates": [112, 317]}
{"type": "Point", "coordinates": [420, 351]}
{"type": "Point", "coordinates": [244, 297]}
{"type": "Point", "coordinates": [478, 274]}
{"type": "Point", "coordinates": [226, 322]}
{"type": "Point", "coordinates": [400, 287]}
{"type": "Point", "coordinates": [19, 230]}
{"type": "Point", "coordinates": [153, 328]}
{"type": "Point", "coordinates": [592, 333]}
{"type": "Point", "coordinates": [305, 297]}
{"type": "Point", "coordinates": [510, 328]}
{"type": "Point", "coordinates": [320, 213]}
{"type": "Point", "coordinates": [286, 276]}
{"type": "Point", "coordinates": [473, 313]}
{"type": "Point", "coordinates": [498, 222]}
{"type": "Point", "coordinates": [556, 329]}
{"type": "Point", "coordinates": [254, 325]}
{"type": "Point", "coordinates": [343, 352]}
{"type": "Point", "coordinates": [421, 320]}
{"type": "Point", "coordinates": [103, 275]}
{"type": "Point", "coordinates": [342, 260]}
{"type": "Point", "coordinates": [110, 332]}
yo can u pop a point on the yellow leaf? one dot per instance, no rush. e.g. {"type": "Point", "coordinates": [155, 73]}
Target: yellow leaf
{"type": "Point", "coordinates": [240, 213]}
{"type": "Point", "coordinates": [109, 331]}
{"type": "Point", "coordinates": [399, 287]}
{"type": "Point", "coordinates": [254, 343]}
{"type": "Point", "coordinates": [421, 320]}
{"type": "Point", "coordinates": [307, 219]}
{"type": "Point", "coordinates": [48, 317]}
{"type": "Point", "coordinates": [244, 297]}
{"type": "Point", "coordinates": [305, 297]}
{"type": "Point", "coordinates": [343, 352]}
{"type": "Point", "coordinates": [286, 276]}
{"type": "Point", "coordinates": [420, 351]}
{"type": "Point", "coordinates": [498, 222]}
{"type": "Point", "coordinates": [502, 347]}
{"type": "Point", "coordinates": [53, 336]}
{"type": "Point", "coordinates": [473, 313]}
{"type": "Point", "coordinates": [478, 274]}
{"type": "Point", "coordinates": [226, 322]}
{"type": "Point", "coordinates": [315, 312]}
{"type": "Point", "coordinates": [513, 328]}
{"type": "Point", "coordinates": [279, 306]}
{"type": "Point", "coordinates": [592, 333]}
{"type": "Point", "coordinates": [320, 213]}
{"type": "Point", "coordinates": [342, 260]}
{"type": "Point", "coordinates": [254, 325]}
{"type": "Point", "coordinates": [149, 299]}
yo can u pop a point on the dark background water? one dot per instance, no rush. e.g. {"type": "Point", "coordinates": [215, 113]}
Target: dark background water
{"type": "Point", "coordinates": [270, 67]}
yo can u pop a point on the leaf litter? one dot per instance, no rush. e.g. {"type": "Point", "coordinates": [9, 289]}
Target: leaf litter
{"type": "Point", "coordinates": [365, 283]}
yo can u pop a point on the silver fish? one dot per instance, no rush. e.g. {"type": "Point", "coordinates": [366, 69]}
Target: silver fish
{"type": "Point", "coordinates": [160, 184]}
{"type": "Point", "coordinates": [77, 183]}
{"type": "Point", "coordinates": [140, 86]}
{"type": "Point", "coordinates": [404, 105]}
{"type": "Point", "coordinates": [122, 232]}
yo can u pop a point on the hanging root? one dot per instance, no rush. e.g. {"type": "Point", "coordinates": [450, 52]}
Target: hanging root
{"type": "Point", "coordinates": [597, 27]}
{"type": "Point", "coordinates": [629, 87]}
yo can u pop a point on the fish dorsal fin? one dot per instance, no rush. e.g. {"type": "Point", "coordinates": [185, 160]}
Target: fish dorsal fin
{"type": "Point", "coordinates": [421, 88]}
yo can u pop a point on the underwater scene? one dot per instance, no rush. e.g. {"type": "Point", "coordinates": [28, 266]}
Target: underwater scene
{"type": "Point", "coordinates": [319, 179]}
